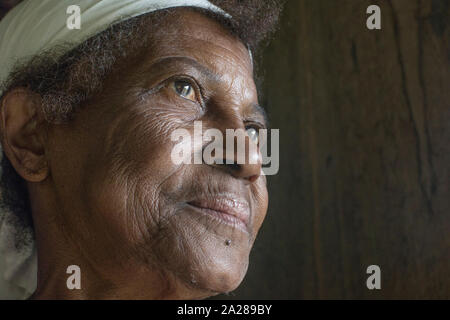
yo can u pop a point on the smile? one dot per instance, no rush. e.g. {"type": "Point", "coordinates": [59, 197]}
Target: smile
{"type": "Point", "coordinates": [235, 213]}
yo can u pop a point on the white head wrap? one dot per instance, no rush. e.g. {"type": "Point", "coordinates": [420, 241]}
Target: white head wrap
{"type": "Point", "coordinates": [30, 28]}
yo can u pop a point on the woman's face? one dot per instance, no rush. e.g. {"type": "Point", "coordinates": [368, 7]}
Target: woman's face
{"type": "Point", "coordinates": [125, 204]}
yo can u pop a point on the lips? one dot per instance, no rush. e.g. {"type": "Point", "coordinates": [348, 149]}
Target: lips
{"type": "Point", "coordinates": [229, 209]}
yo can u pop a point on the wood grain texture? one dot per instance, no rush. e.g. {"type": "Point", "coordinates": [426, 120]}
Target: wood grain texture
{"type": "Point", "coordinates": [364, 119]}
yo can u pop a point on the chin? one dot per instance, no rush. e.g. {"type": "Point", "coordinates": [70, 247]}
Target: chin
{"type": "Point", "coordinates": [192, 249]}
{"type": "Point", "coordinates": [220, 277]}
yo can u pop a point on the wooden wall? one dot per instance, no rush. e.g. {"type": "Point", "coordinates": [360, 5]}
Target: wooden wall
{"type": "Point", "coordinates": [364, 119]}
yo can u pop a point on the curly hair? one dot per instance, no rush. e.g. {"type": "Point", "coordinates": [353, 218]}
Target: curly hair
{"type": "Point", "coordinates": [78, 75]}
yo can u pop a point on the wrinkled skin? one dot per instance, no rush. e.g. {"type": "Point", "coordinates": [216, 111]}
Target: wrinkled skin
{"type": "Point", "coordinates": [105, 195]}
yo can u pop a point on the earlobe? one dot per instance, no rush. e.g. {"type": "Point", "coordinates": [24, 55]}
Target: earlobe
{"type": "Point", "coordinates": [23, 132]}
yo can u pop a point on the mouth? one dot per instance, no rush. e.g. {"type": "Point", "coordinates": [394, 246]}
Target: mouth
{"type": "Point", "coordinates": [228, 210]}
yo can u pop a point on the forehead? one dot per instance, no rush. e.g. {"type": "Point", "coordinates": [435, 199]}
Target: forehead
{"type": "Point", "coordinates": [190, 33]}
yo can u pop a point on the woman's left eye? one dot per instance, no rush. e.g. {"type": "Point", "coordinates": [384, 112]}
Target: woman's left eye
{"type": "Point", "coordinates": [253, 134]}
{"type": "Point", "coordinates": [184, 89]}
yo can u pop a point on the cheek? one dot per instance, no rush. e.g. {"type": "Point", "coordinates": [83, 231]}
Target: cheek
{"type": "Point", "coordinates": [122, 184]}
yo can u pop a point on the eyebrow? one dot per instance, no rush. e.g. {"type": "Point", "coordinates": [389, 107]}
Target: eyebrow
{"type": "Point", "coordinates": [209, 74]}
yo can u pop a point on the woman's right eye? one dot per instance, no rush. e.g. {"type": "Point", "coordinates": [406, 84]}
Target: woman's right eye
{"type": "Point", "coordinates": [184, 89]}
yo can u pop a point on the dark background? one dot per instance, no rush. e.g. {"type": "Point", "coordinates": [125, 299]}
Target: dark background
{"type": "Point", "coordinates": [364, 119]}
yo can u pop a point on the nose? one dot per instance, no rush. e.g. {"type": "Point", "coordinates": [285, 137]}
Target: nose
{"type": "Point", "coordinates": [240, 157]}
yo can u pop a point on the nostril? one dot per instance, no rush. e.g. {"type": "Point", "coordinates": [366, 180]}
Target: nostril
{"type": "Point", "coordinates": [234, 167]}
{"type": "Point", "coordinates": [244, 171]}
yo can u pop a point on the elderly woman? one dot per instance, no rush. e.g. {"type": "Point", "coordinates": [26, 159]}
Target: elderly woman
{"type": "Point", "coordinates": [86, 119]}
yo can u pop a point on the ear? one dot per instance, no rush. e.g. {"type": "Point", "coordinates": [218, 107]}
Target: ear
{"type": "Point", "coordinates": [23, 134]}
